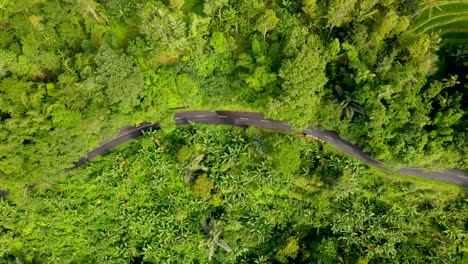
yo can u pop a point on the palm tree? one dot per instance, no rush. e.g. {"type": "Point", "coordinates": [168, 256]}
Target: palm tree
{"type": "Point", "coordinates": [454, 234]}
{"type": "Point", "coordinates": [192, 165]}
{"type": "Point", "coordinates": [348, 105]}
{"type": "Point", "coordinates": [214, 232]}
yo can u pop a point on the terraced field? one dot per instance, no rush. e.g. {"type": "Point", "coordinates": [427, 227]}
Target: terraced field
{"type": "Point", "coordinates": [450, 18]}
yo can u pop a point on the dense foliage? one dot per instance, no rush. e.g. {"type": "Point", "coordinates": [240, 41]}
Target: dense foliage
{"type": "Point", "coordinates": [73, 72]}
{"type": "Point", "coordinates": [233, 196]}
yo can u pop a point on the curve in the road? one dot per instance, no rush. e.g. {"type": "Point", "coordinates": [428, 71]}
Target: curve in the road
{"type": "Point", "coordinates": [245, 119]}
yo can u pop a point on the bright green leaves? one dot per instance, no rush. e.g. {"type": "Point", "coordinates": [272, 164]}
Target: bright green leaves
{"type": "Point", "coordinates": [421, 49]}
{"type": "Point", "coordinates": [134, 204]}
{"type": "Point", "coordinates": [260, 78]}
{"type": "Point", "coordinates": [340, 12]}
{"type": "Point", "coordinates": [250, 9]}
{"type": "Point", "coordinates": [65, 118]}
{"type": "Point", "coordinates": [47, 120]}
{"type": "Point", "coordinates": [309, 7]}
{"type": "Point", "coordinates": [287, 158]}
{"type": "Point", "coordinates": [33, 64]}
{"type": "Point", "coordinates": [166, 30]}
{"type": "Point", "coordinates": [180, 90]}
{"type": "Point", "coordinates": [213, 7]}
{"type": "Point", "coordinates": [219, 42]}
{"type": "Point", "coordinates": [25, 118]}
{"type": "Point", "coordinates": [297, 39]}
{"type": "Point", "coordinates": [303, 81]}
{"type": "Point", "coordinates": [172, 32]}
{"type": "Point", "coordinates": [177, 3]}
{"type": "Point", "coordinates": [266, 22]}
{"type": "Point", "coordinates": [388, 25]}
{"type": "Point", "coordinates": [290, 250]}
{"type": "Point", "coordinates": [202, 187]}
{"type": "Point", "coordinates": [256, 69]}
{"type": "Point", "coordinates": [71, 80]}
{"type": "Point", "coordinates": [121, 79]}
{"type": "Point", "coordinates": [327, 249]}
{"type": "Point", "coordinates": [7, 60]}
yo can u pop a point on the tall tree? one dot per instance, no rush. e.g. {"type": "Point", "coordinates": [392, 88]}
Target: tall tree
{"type": "Point", "coordinates": [303, 81]}
{"type": "Point", "coordinates": [266, 22]}
{"type": "Point", "coordinates": [166, 30]}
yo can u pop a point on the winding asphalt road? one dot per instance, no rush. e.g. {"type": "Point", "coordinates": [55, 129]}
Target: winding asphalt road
{"type": "Point", "coordinates": [245, 119]}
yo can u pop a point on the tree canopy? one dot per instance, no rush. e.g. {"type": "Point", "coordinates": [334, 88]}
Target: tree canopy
{"type": "Point", "coordinates": [219, 194]}
{"type": "Point", "coordinates": [377, 72]}
{"type": "Point", "coordinates": [388, 75]}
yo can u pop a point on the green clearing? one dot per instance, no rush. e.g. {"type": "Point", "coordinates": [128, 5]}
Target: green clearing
{"type": "Point", "coordinates": [222, 194]}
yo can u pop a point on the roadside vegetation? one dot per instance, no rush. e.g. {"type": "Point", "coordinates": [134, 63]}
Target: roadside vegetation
{"type": "Point", "coordinates": [221, 194]}
{"type": "Point", "coordinates": [422, 183]}
{"type": "Point", "coordinates": [70, 81]}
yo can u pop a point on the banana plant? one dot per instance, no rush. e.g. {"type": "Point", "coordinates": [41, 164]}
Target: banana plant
{"type": "Point", "coordinates": [193, 165]}
{"type": "Point", "coordinates": [213, 232]}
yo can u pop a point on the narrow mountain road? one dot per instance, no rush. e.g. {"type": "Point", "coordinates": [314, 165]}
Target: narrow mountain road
{"type": "Point", "coordinates": [245, 119]}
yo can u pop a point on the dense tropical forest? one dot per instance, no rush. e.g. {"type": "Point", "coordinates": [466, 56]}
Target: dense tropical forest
{"type": "Point", "coordinates": [389, 75]}
{"type": "Point", "coordinates": [221, 194]}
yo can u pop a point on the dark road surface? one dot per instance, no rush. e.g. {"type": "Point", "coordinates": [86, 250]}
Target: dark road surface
{"type": "Point", "coordinates": [245, 119]}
